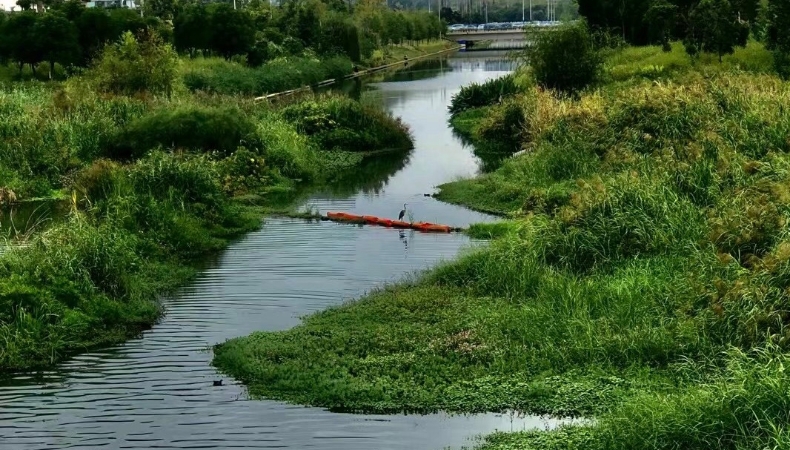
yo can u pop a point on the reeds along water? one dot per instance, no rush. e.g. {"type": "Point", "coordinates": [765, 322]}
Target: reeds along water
{"type": "Point", "coordinates": [644, 281]}
{"type": "Point", "coordinates": [152, 180]}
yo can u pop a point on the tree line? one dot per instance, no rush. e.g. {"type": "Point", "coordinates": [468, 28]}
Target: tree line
{"type": "Point", "coordinates": [644, 22]}
{"type": "Point", "coordinates": [709, 26]}
{"type": "Point", "coordinates": [69, 34]}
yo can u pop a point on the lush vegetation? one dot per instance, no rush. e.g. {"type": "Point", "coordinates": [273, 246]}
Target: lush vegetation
{"type": "Point", "coordinates": [255, 49]}
{"type": "Point", "coordinates": [554, 70]}
{"type": "Point", "coordinates": [343, 124]}
{"type": "Point", "coordinates": [155, 176]}
{"type": "Point", "coordinates": [641, 281]}
{"type": "Point", "coordinates": [475, 12]}
{"type": "Point", "coordinates": [709, 26]}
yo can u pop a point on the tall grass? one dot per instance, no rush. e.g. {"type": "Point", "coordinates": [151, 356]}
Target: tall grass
{"type": "Point", "coordinates": [151, 183]}
{"type": "Point", "coordinates": [644, 279]}
{"type": "Point", "coordinates": [337, 122]}
{"type": "Point", "coordinates": [485, 94]}
{"type": "Point", "coordinates": [222, 77]}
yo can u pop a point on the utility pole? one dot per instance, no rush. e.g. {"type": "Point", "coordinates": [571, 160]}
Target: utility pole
{"type": "Point", "coordinates": [522, 11]}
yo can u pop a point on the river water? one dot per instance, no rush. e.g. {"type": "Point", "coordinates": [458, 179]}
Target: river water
{"type": "Point", "coordinates": [157, 391]}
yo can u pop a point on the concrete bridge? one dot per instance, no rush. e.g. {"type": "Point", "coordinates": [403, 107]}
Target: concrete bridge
{"type": "Point", "coordinates": [496, 39]}
{"type": "Point", "coordinates": [492, 35]}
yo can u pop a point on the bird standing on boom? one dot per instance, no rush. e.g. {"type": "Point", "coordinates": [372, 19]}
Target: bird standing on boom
{"type": "Point", "coordinates": [402, 212]}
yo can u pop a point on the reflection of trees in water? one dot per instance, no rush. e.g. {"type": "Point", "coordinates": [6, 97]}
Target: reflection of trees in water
{"type": "Point", "coordinates": [30, 217]}
{"type": "Point", "coordinates": [491, 154]}
{"type": "Point", "coordinates": [493, 64]}
{"type": "Point", "coordinates": [352, 88]}
{"type": "Point", "coordinates": [420, 70]}
{"type": "Point", "coordinates": [371, 176]}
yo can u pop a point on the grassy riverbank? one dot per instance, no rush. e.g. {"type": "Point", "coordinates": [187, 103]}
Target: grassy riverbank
{"type": "Point", "coordinates": [154, 183]}
{"type": "Point", "coordinates": [642, 281]}
{"type": "Point", "coordinates": [396, 52]}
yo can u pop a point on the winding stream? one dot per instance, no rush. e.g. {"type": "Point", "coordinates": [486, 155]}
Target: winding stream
{"type": "Point", "coordinates": [156, 391]}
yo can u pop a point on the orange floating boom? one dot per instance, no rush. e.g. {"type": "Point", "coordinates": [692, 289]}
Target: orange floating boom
{"type": "Point", "coordinates": [373, 220]}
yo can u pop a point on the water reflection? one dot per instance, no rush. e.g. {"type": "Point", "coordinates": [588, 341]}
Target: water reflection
{"type": "Point", "coordinates": [372, 175]}
{"type": "Point", "coordinates": [491, 154]}
{"type": "Point", "coordinates": [23, 219]}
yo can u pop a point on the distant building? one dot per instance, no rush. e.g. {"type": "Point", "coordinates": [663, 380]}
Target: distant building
{"type": "Point", "coordinates": [10, 5]}
{"type": "Point", "coordinates": [132, 4]}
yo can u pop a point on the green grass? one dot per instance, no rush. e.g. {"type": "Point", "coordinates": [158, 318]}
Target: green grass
{"type": "Point", "coordinates": [394, 53]}
{"type": "Point", "coordinates": [642, 280]}
{"type": "Point", "coordinates": [153, 184]}
{"type": "Point", "coordinates": [218, 76]}
{"type": "Point", "coordinates": [653, 63]}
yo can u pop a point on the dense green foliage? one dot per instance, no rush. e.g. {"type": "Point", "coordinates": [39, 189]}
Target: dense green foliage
{"type": "Point", "coordinates": [642, 280]}
{"type": "Point", "coordinates": [228, 78]}
{"type": "Point", "coordinates": [68, 35]}
{"type": "Point", "coordinates": [134, 66]}
{"type": "Point", "coordinates": [488, 93]}
{"type": "Point", "coordinates": [502, 11]}
{"type": "Point", "coordinates": [653, 21]}
{"type": "Point", "coordinates": [714, 29]}
{"type": "Point", "coordinates": [565, 60]}
{"type": "Point", "coordinates": [344, 124]}
{"type": "Point", "coordinates": [94, 280]}
{"type": "Point", "coordinates": [151, 181]}
{"type": "Point", "coordinates": [778, 38]}
{"type": "Point", "coordinates": [191, 127]}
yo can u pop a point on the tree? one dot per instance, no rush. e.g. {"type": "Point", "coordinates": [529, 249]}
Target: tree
{"type": "Point", "coordinates": [4, 52]}
{"type": "Point", "coordinates": [95, 29]}
{"type": "Point", "coordinates": [26, 5]}
{"type": "Point", "coordinates": [778, 38]}
{"type": "Point", "coordinates": [566, 59]}
{"type": "Point", "coordinates": [747, 10]}
{"type": "Point", "coordinates": [339, 35]}
{"type": "Point", "coordinates": [123, 20]}
{"type": "Point", "coordinates": [57, 39]}
{"type": "Point", "coordinates": [19, 42]}
{"type": "Point", "coordinates": [661, 20]}
{"type": "Point", "coordinates": [135, 65]}
{"type": "Point", "coordinates": [305, 24]}
{"type": "Point", "coordinates": [714, 27]}
{"type": "Point", "coordinates": [192, 30]}
{"type": "Point", "coordinates": [72, 9]}
{"type": "Point", "coordinates": [164, 9]}
{"type": "Point", "coordinates": [624, 16]}
{"type": "Point", "coordinates": [258, 53]}
{"type": "Point", "coordinates": [232, 31]}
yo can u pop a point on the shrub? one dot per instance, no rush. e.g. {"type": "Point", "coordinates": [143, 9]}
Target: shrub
{"type": "Point", "coordinates": [342, 123]}
{"type": "Point", "coordinates": [242, 171]}
{"type": "Point", "coordinates": [99, 181]}
{"type": "Point", "coordinates": [190, 180]}
{"type": "Point", "coordinates": [565, 60]}
{"type": "Point", "coordinates": [137, 65]}
{"type": "Point", "coordinates": [223, 77]}
{"type": "Point", "coordinates": [504, 124]}
{"type": "Point", "coordinates": [187, 127]}
{"type": "Point", "coordinates": [287, 150]}
{"type": "Point", "coordinates": [477, 95]}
